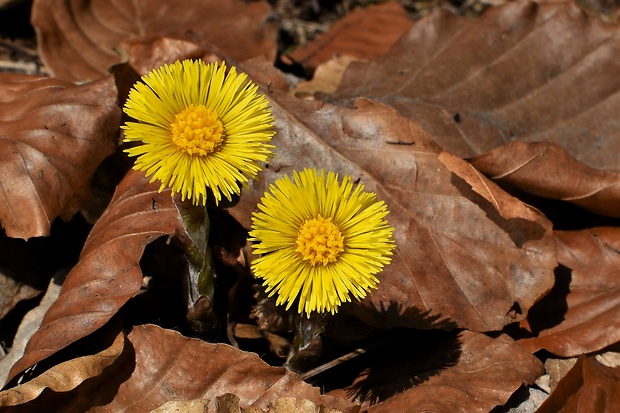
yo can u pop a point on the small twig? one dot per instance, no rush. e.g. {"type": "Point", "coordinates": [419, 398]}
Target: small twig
{"type": "Point", "coordinates": [30, 54]}
{"type": "Point", "coordinates": [337, 361]}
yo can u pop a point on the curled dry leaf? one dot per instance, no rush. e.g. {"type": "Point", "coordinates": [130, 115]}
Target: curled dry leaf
{"type": "Point", "coordinates": [547, 170]}
{"type": "Point", "coordinates": [457, 257]}
{"type": "Point", "coordinates": [475, 84]}
{"type": "Point", "coordinates": [54, 135]}
{"type": "Point", "coordinates": [64, 376]}
{"type": "Point", "coordinates": [363, 33]}
{"type": "Point", "coordinates": [485, 375]}
{"type": "Point", "coordinates": [169, 366]}
{"type": "Point", "coordinates": [81, 40]}
{"type": "Point", "coordinates": [580, 315]}
{"type": "Point", "coordinates": [108, 273]}
{"type": "Point", "coordinates": [589, 387]}
{"type": "Point", "coordinates": [506, 205]}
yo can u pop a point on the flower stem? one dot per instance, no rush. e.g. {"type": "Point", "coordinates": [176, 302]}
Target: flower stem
{"type": "Point", "coordinates": [307, 345]}
{"type": "Point", "coordinates": [200, 276]}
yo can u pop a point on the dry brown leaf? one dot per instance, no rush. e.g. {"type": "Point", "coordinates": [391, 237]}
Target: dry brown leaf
{"type": "Point", "coordinates": [485, 375]}
{"type": "Point", "coordinates": [248, 331]}
{"type": "Point", "coordinates": [363, 33]}
{"type": "Point", "coordinates": [29, 325]}
{"type": "Point", "coordinates": [589, 387]}
{"type": "Point", "coordinates": [54, 135]}
{"type": "Point", "coordinates": [458, 260]}
{"type": "Point", "coordinates": [80, 40]}
{"type": "Point", "coordinates": [108, 273]}
{"type": "Point", "coordinates": [547, 170]}
{"type": "Point", "coordinates": [64, 376]}
{"type": "Point", "coordinates": [148, 53]}
{"type": "Point", "coordinates": [522, 71]}
{"type": "Point", "coordinates": [169, 366]}
{"type": "Point", "coordinates": [580, 315]}
{"type": "Point", "coordinates": [12, 291]}
{"type": "Point", "coordinates": [326, 77]}
{"type": "Point", "coordinates": [229, 403]}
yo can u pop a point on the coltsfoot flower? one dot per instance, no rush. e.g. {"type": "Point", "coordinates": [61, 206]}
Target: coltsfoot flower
{"type": "Point", "coordinates": [320, 241]}
{"type": "Point", "coordinates": [199, 127]}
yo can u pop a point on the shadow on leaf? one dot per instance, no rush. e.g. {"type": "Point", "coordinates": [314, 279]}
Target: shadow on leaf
{"type": "Point", "coordinates": [405, 357]}
{"type": "Point", "coordinates": [397, 359]}
{"type": "Point", "coordinates": [551, 309]}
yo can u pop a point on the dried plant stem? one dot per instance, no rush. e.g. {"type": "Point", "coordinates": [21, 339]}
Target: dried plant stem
{"type": "Point", "coordinates": [342, 359]}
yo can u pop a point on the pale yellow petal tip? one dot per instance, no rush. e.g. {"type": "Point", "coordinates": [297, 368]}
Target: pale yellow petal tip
{"type": "Point", "coordinates": [201, 129]}
{"type": "Point", "coordinates": [321, 242]}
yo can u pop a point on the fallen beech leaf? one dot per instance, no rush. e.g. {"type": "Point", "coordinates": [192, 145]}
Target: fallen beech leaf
{"type": "Point", "coordinates": [108, 273]}
{"type": "Point", "coordinates": [169, 366]}
{"type": "Point", "coordinates": [547, 170]}
{"type": "Point", "coordinates": [13, 291]}
{"type": "Point", "coordinates": [589, 387]}
{"type": "Point", "coordinates": [475, 84]}
{"type": "Point", "coordinates": [363, 33]}
{"type": "Point", "coordinates": [29, 324]}
{"type": "Point", "coordinates": [580, 315]}
{"type": "Point", "coordinates": [247, 331]}
{"type": "Point", "coordinates": [485, 375]}
{"type": "Point", "coordinates": [457, 258]}
{"type": "Point", "coordinates": [64, 376]}
{"type": "Point", "coordinates": [326, 77]}
{"type": "Point", "coordinates": [81, 40]}
{"type": "Point", "coordinates": [54, 135]}
{"type": "Point", "coordinates": [148, 53]}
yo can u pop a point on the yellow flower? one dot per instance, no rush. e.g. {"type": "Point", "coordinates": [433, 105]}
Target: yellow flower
{"type": "Point", "coordinates": [320, 240]}
{"type": "Point", "coordinates": [199, 128]}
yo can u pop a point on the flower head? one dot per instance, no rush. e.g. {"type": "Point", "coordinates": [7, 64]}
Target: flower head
{"type": "Point", "coordinates": [199, 127]}
{"type": "Point", "coordinates": [320, 240]}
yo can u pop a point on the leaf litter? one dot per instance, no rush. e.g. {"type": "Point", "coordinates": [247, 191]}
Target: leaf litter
{"type": "Point", "coordinates": [462, 126]}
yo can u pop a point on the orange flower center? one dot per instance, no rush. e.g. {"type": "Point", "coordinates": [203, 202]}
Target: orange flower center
{"type": "Point", "coordinates": [197, 130]}
{"type": "Point", "coordinates": [319, 241]}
